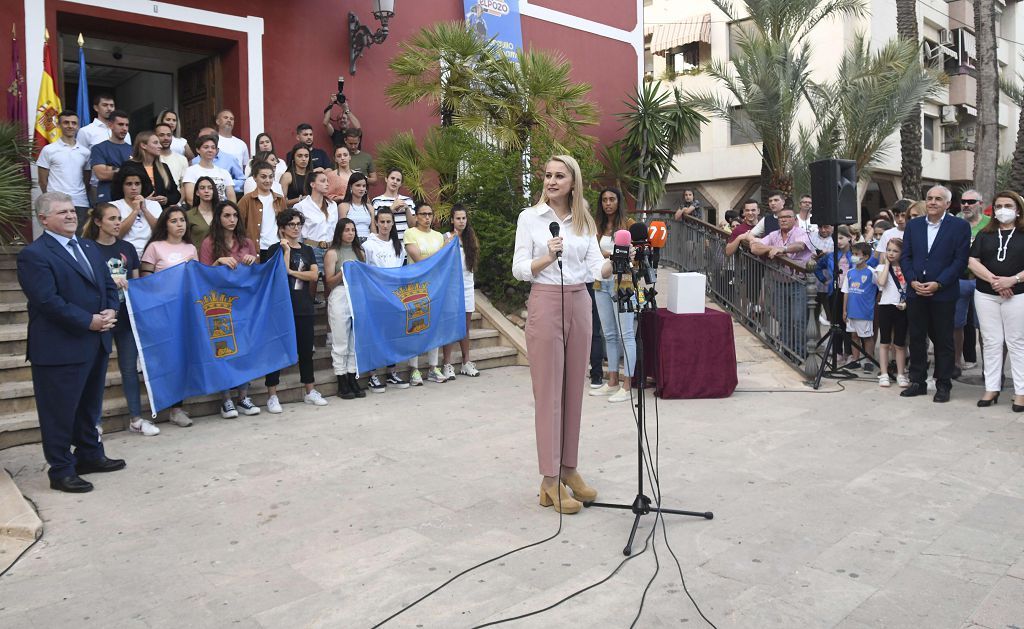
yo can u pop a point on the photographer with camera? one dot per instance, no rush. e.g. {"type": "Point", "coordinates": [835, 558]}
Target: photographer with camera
{"type": "Point", "coordinates": [338, 116]}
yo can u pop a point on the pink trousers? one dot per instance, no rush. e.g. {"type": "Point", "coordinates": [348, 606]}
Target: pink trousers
{"type": "Point", "coordinates": [544, 344]}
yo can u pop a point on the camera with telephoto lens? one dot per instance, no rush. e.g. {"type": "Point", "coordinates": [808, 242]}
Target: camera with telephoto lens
{"type": "Point", "coordinates": [340, 97]}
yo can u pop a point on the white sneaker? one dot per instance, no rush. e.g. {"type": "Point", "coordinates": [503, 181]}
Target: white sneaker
{"type": "Point", "coordinates": [883, 380]}
{"type": "Point", "coordinates": [622, 395]}
{"type": "Point", "coordinates": [469, 369]}
{"type": "Point", "coordinates": [968, 365]}
{"type": "Point", "coordinates": [314, 398]}
{"type": "Point", "coordinates": [448, 372]}
{"type": "Point", "coordinates": [416, 378]}
{"type": "Point", "coordinates": [274, 405]}
{"type": "Point", "coordinates": [246, 407]}
{"type": "Point", "coordinates": [228, 410]}
{"type": "Point", "coordinates": [903, 381]}
{"type": "Point", "coordinates": [143, 427]}
{"type": "Point", "coordinates": [180, 418]}
{"type": "Point", "coordinates": [930, 384]}
{"type": "Point", "coordinates": [604, 390]}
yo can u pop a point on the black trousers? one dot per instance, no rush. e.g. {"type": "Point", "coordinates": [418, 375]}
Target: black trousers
{"type": "Point", "coordinates": [596, 341]}
{"type": "Point", "coordinates": [69, 400]}
{"type": "Point", "coordinates": [930, 319]}
{"type": "Point", "coordinates": [304, 347]}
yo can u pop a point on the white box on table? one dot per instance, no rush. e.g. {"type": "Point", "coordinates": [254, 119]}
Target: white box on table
{"type": "Point", "coordinates": [686, 293]}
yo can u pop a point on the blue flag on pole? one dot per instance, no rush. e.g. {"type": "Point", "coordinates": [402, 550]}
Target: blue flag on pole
{"type": "Point", "coordinates": [400, 313]}
{"type": "Point", "coordinates": [202, 329]}
{"type": "Point", "coordinates": [83, 106]}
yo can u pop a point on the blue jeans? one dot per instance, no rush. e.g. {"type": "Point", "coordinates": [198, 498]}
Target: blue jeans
{"type": "Point", "coordinates": [127, 364]}
{"type": "Point", "coordinates": [613, 343]}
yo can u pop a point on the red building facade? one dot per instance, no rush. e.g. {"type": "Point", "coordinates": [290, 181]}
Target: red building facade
{"type": "Point", "coordinates": [274, 63]}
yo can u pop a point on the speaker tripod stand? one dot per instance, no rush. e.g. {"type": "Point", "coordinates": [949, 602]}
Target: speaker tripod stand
{"type": "Point", "coordinates": [641, 504]}
{"type": "Point", "coordinates": [834, 337]}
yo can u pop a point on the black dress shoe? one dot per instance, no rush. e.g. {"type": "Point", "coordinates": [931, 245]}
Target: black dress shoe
{"type": "Point", "coordinates": [985, 403]}
{"type": "Point", "coordinates": [1017, 408]}
{"type": "Point", "coordinates": [99, 465]}
{"type": "Point", "coordinates": [957, 372]}
{"type": "Point", "coordinates": [941, 395]}
{"type": "Point", "coordinates": [914, 390]}
{"type": "Point", "coordinates": [71, 484]}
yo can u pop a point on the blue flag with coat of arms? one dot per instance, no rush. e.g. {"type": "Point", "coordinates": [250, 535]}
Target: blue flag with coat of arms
{"type": "Point", "coordinates": [402, 312]}
{"type": "Point", "coordinates": [203, 329]}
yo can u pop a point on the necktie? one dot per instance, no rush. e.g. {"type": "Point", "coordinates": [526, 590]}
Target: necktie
{"type": "Point", "coordinates": [76, 250]}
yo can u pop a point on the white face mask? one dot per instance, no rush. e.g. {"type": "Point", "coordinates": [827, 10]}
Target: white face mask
{"type": "Point", "coordinates": [856, 259]}
{"type": "Point", "coordinates": [1005, 215]}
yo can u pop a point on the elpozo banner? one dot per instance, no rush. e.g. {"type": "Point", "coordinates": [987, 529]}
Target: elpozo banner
{"type": "Point", "coordinates": [498, 19]}
{"type": "Point", "coordinates": [403, 312]}
{"type": "Point", "coordinates": [203, 329]}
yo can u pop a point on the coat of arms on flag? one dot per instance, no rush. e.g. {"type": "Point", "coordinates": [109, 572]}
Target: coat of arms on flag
{"type": "Point", "coordinates": [416, 299]}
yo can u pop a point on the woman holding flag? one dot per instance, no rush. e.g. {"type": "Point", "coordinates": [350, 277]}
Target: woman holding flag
{"type": "Point", "coordinates": [558, 328]}
{"type": "Point", "coordinates": [384, 250]}
{"type": "Point", "coordinates": [228, 246]}
{"type": "Point", "coordinates": [421, 242]}
{"type": "Point", "coordinates": [344, 247]}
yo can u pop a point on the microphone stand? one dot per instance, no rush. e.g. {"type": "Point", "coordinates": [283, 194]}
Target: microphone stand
{"type": "Point", "coordinates": [641, 504]}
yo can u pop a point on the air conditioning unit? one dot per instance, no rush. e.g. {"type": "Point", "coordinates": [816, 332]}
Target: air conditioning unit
{"type": "Point", "coordinates": [945, 37]}
{"type": "Point", "coordinates": [949, 115]}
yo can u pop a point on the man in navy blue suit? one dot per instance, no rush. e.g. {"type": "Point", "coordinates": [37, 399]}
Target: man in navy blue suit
{"type": "Point", "coordinates": [72, 305]}
{"type": "Point", "coordinates": [935, 248]}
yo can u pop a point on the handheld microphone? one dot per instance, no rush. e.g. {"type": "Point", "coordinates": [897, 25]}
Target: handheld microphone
{"type": "Point", "coordinates": [554, 228]}
{"type": "Point", "coordinates": [620, 252]}
{"type": "Point", "coordinates": [657, 234]}
{"type": "Point", "coordinates": [638, 234]}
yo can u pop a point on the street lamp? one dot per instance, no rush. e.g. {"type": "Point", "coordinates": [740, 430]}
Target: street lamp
{"type": "Point", "coordinates": [360, 35]}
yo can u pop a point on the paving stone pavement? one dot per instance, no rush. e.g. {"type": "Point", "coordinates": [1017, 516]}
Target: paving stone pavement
{"type": "Point", "coordinates": [852, 510]}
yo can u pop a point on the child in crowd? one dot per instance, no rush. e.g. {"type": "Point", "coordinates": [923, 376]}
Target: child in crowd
{"type": "Point", "coordinates": [825, 272]}
{"type": "Point", "coordinates": [859, 293]}
{"type": "Point", "coordinates": [892, 313]}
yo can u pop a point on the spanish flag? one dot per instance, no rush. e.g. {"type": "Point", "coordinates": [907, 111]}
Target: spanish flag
{"type": "Point", "coordinates": [48, 107]}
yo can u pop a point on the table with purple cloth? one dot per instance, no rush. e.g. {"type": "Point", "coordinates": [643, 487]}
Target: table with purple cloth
{"type": "Point", "coordinates": [690, 356]}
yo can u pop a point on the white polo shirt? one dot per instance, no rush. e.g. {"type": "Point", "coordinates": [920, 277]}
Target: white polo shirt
{"type": "Point", "coordinates": [66, 163]}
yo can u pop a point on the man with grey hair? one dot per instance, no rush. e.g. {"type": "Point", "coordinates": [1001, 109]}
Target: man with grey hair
{"type": "Point", "coordinates": [972, 205]}
{"type": "Point", "coordinates": [935, 248]}
{"type": "Point", "coordinates": [72, 307]}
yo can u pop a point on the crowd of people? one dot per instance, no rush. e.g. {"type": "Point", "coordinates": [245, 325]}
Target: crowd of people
{"type": "Point", "coordinates": [161, 200]}
{"type": "Point", "coordinates": [916, 275]}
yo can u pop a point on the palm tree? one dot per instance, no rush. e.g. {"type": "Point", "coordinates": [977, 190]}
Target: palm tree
{"type": "Point", "coordinates": [874, 92]}
{"type": "Point", "coordinates": [488, 93]}
{"type": "Point", "coordinates": [986, 153]}
{"type": "Point", "coordinates": [657, 123]}
{"type": "Point", "coordinates": [15, 186]}
{"type": "Point", "coordinates": [1015, 90]}
{"type": "Point", "coordinates": [770, 76]}
{"type": "Point", "coordinates": [911, 142]}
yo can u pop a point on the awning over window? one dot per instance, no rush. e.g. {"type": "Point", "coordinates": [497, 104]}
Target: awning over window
{"type": "Point", "coordinates": [669, 36]}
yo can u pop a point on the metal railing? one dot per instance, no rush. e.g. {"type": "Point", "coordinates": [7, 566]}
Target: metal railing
{"type": "Point", "coordinates": [774, 299]}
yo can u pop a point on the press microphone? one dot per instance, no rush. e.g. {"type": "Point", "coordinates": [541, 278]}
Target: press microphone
{"type": "Point", "coordinates": [554, 228]}
{"type": "Point", "coordinates": [638, 234]}
{"type": "Point", "coordinates": [657, 234]}
{"type": "Point", "coordinates": [620, 252]}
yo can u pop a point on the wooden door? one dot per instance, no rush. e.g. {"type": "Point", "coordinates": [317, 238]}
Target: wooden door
{"type": "Point", "coordinates": [199, 96]}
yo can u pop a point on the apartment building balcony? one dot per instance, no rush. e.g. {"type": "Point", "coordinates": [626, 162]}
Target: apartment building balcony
{"type": "Point", "coordinates": [961, 159]}
{"type": "Point", "coordinates": [961, 14]}
{"type": "Point", "coordinates": [963, 89]}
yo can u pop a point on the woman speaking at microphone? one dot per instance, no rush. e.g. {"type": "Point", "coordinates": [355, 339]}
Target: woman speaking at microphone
{"type": "Point", "coordinates": [557, 250]}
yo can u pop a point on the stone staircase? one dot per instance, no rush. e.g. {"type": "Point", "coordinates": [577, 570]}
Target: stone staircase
{"type": "Point", "coordinates": [495, 343]}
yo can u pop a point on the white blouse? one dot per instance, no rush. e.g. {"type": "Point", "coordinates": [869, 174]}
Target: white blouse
{"type": "Point", "coordinates": [582, 261]}
{"type": "Point", "coordinates": [317, 226]}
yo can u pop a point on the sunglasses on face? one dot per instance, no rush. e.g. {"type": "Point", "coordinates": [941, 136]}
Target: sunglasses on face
{"type": "Point", "coordinates": [969, 201]}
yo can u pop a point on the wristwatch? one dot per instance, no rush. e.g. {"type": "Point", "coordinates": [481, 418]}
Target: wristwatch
{"type": "Point", "coordinates": [1017, 277]}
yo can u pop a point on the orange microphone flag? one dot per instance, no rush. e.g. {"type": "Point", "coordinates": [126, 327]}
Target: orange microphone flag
{"type": "Point", "coordinates": [48, 107]}
{"type": "Point", "coordinates": [657, 233]}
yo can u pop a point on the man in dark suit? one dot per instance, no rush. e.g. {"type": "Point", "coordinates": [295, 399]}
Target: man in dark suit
{"type": "Point", "coordinates": [72, 305]}
{"type": "Point", "coordinates": [934, 256]}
